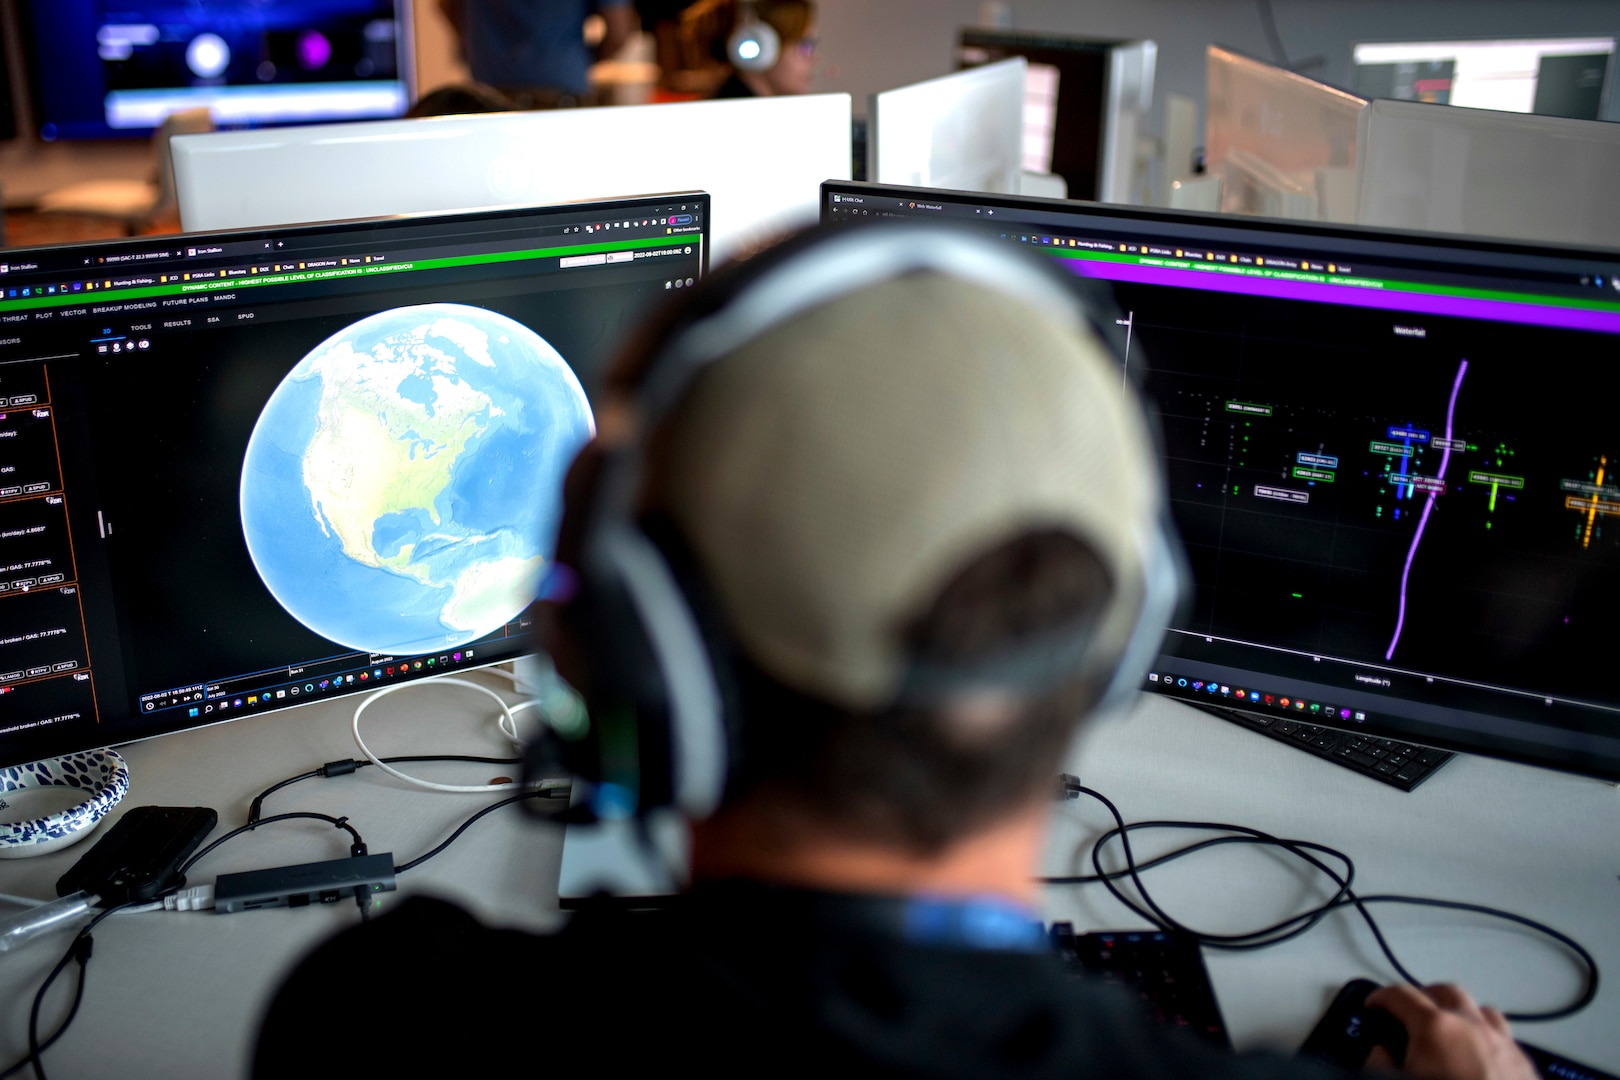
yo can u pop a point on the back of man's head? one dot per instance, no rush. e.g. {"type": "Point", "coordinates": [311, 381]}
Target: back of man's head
{"type": "Point", "coordinates": [915, 512]}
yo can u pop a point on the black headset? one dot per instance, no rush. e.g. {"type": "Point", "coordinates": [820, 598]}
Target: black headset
{"type": "Point", "coordinates": [664, 727]}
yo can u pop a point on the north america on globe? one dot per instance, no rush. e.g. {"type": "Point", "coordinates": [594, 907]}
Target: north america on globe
{"type": "Point", "coordinates": [402, 487]}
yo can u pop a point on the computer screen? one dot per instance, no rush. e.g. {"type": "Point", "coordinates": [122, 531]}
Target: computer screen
{"type": "Point", "coordinates": [1084, 101]}
{"type": "Point", "coordinates": [243, 471]}
{"type": "Point", "coordinates": [1388, 456]}
{"type": "Point", "coordinates": [105, 68]}
{"type": "Point", "coordinates": [1550, 76]}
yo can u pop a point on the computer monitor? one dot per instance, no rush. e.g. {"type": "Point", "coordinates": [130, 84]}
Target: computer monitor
{"type": "Point", "coordinates": [963, 130]}
{"type": "Point", "coordinates": [1388, 458]}
{"type": "Point", "coordinates": [1483, 173]}
{"type": "Point", "coordinates": [246, 471]}
{"type": "Point", "coordinates": [8, 104]}
{"type": "Point", "coordinates": [103, 70]}
{"type": "Point", "coordinates": [1084, 105]}
{"type": "Point", "coordinates": [762, 159]}
{"type": "Point", "coordinates": [1282, 144]}
{"type": "Point", "coordinates": [1568, 76]}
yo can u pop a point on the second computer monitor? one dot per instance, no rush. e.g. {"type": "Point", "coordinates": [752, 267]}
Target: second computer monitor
{"type": "Point", "coordinates": [963, 130]}
{"type": "Point", "coordinates": [1084, 102]}
{"type": "Point", "coordinates": [1388, 458]}
{"type": "Point", "coordinates": [761, 159]}
{"type": "Point", "coordinates": [1550, 76]}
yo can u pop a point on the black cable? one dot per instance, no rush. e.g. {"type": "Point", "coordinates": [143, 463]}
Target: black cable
{"type": "Point", "coordinates": [336, 822]}
{"type": "Point", "coordinates": [345, 766]}
{"type": "Point", "coordinates": [465, 825]}
{"type": "Point", "coordinates": [80, 950]}
{"type": "Point", "coordinates": [1268, 23]}
{"type": "Point", "coordinates": [1344, 896]}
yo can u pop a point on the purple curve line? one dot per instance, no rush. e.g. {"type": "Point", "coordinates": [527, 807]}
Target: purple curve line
{"type": "Point", "coordinates": [1428, 504]}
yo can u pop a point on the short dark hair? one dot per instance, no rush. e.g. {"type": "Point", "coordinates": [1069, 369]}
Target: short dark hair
{"type": "Point", "coordinates": [461, 98]}
{"type": "Point", "coordinates": [919, 778]}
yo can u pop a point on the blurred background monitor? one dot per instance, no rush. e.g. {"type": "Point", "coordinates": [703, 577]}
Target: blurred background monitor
{"type": "Point", "coordinates": [963, 131]}
{"type": "Point", "coordinates": [1084, 106]}
{"type": "Point", "coordinates": [103, 70]}
{"type": "Point", "coordinates": [1484, 173]}
{"type": "Point", "coordinates": [1284, 145]}
{"type": "Point", "coordinates": [761, 158]}
{"type": "Point", "coordinates": [8, 100]}
{"type": "Point", "coordinates": [1549, 76]}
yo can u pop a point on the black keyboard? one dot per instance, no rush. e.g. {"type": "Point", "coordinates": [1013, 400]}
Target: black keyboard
{"type": "Point", "coordinates": [1399, 764]}
{"type": "Point", "coordinates": [1165, 970]}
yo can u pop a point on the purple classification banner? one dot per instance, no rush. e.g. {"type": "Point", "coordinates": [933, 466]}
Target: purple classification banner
{"type": "Point", "coordinates": [1604, 322]}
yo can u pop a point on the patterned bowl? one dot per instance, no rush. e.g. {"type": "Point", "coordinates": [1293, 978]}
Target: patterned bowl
{"type": "Point", "coordinates": [50, 804]}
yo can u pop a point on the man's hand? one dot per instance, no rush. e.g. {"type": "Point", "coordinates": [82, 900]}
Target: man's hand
{"type": "Point", "coordinates": [1449, 1037]}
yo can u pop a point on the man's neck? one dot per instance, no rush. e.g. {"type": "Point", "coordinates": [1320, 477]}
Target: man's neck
{"type": "Point", "coordinates": [761, 843]}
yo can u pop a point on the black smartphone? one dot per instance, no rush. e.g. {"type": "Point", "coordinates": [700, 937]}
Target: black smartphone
{"type": "Point", "coordinates": [139, 858]}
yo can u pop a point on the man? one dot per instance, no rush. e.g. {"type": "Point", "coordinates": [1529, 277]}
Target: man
{"type": "Point", "coordinates": [914, 518]}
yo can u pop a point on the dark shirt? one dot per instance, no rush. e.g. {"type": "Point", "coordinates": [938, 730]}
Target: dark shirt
{"type": "Point", "coordinates": [732, 980]}
{"type": "Point", "coordinates": [531, 43]}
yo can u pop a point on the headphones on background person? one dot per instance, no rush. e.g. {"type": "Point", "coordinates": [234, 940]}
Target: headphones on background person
{"type": "Point", "coordinates": [754, 45]}
{"type": "Point", "coordinates": [653, 656]}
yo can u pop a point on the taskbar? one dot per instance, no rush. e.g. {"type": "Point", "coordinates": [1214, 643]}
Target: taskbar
{"type": "Point", "coordinates": [303, 684]}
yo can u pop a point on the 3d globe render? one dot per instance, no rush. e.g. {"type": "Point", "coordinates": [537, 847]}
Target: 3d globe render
{"type": "Point", "coordinates": [402, 487]}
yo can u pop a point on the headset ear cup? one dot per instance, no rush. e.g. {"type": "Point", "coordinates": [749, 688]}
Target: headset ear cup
{"type": "Point", "coordinates": [713, 631]}
{"type": "Point", "coordinates": [603, 650]}
{"type": "Point", "coordinates": [754, 46]}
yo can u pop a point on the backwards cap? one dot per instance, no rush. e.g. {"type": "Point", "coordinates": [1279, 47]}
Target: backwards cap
{"type": "Point", "coordinates": [834, 472]}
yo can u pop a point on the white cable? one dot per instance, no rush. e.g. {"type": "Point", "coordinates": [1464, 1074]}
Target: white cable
{"type": "Point", "coordinates": [508, 725]}
{"type": "Point", "coordinates": [506, 722]}
{"type": "Point", "coordinates": [195, 898]}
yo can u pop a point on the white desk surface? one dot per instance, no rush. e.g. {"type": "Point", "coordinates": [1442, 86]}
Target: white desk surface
{"type": "Point", "coordinates": [179, 994]}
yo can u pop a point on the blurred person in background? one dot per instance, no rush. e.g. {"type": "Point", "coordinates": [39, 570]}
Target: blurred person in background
{"type": "Point", "coordinates": [709, 26]}
{"type": "Point", "coordinates": [534, 51]}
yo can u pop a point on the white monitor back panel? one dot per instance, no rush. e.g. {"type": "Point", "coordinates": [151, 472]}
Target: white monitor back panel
{"type": "Point", "coordinates": [1446, 169]}
{"type": "Point", "coordinates": [762, 159]}
{"type": "Point", "coordinates": [961, 131]}
{"type": "Point", "coordinates": [1278, 139]}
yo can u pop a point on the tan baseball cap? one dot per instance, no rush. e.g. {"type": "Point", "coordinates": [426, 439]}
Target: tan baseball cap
{"type": "Point", "coordinates": [835, 472]}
